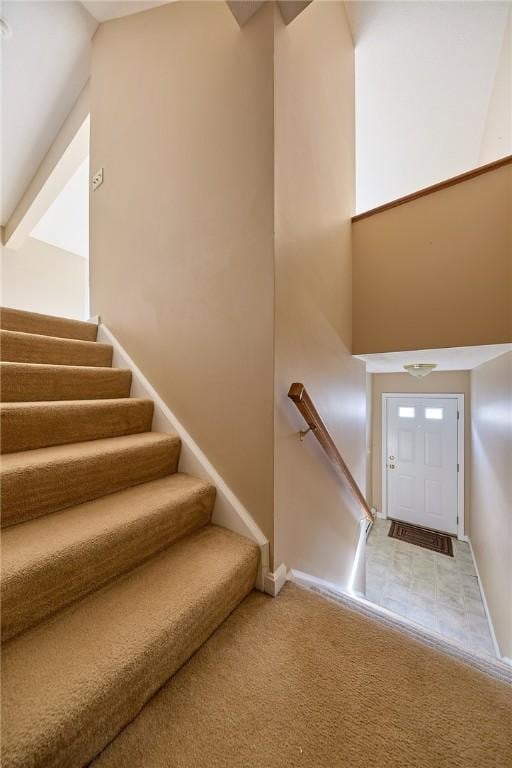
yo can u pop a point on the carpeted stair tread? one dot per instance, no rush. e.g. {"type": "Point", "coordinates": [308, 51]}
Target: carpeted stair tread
{"type": "Point", "coordinates": [29, 382]}
{"type": "Point", "coordinates": [49, 562]}
{"type": "Point", "coordinates": [46, 480]}
{"type": "Point", "coordinates": [101, 659]}
{"type": "Point", "coordinates": [16, 347]}
{"type": "Point", "coordinates": [47, 325]}
{"type": "Point", "coordinates": [25, 426]}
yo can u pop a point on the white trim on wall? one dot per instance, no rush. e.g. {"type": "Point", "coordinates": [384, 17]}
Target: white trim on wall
{"type": "Point", "coordinates": [357, 581]}
{"type": "Point", "coordinates": [486, 607]}
{"type": "Point", "coordinates": [229, 511]}
{"type": "Point", "coordinates": [460, 451]}
{"type": "Point", "coordinates": [307, 580]}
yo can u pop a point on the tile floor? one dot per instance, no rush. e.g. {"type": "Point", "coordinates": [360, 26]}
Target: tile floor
{"type": "Point", "coordinates": [438, 592]}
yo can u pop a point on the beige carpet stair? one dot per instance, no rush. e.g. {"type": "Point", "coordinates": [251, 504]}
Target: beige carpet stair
{"type": "Point", "coordinates": [56, 559]}
{"type": "Point", "coordinates": [45, 480]}
{"type": "Point", "coordinates": [27, 382]}
{"type": "Point", "coordinates": [307, 683]}
{"type": "Point", "coordinates": [72, 683]}
{"type": "Point", "coordinates": [112, 573]}
{"type": "Point", "coordinates": [25, 426]}
{"type": "Point", "coordinates": [30, 348]}
{"type": "Point", "coordinates": [46, 325]}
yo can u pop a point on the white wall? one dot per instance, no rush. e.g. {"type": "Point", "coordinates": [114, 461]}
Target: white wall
{"type": "Point", "coordinates": [425, 79]}
{"type": "Point", "coordinates": [45, 66]}
{"type": "Point", "coordinates": [66, 222]}
{"type": "Point", "coordinates": [490, 527]}
{"type": "Point", "coordinates": [41, 278]}
{"type": "Point", "coordinates": [497, 136]}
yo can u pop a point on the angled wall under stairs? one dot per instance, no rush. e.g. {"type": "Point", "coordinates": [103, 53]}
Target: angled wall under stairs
{"type": "Point", "coordinates": [113, 574]}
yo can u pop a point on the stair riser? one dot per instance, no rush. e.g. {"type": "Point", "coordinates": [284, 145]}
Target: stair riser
{"type": "Point", "coordinates": [35, 491]}
{"type": "Point", "coordinates": [29, 597]}
{"type": "Point", "coordinates": [29, 348]}
{"type": "Point", "coordinates": [31, 322]}
{"type": "Point", "coordinates": [26, 427]}
{"type": "Point", "coordinates": [125, 653]}
{"type": "Point", "coordinates": [31, 383]}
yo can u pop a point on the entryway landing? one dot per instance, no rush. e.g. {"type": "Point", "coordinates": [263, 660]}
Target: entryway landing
{"type": "Point", "coordinates": [438, 592]}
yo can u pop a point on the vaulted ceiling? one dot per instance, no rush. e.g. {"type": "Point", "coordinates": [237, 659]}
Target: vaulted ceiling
{"type": "Point", "coordinates": [103, 10]}
{"type": "Point", "coordinates": [425, 73]}
{"type": "Point", "coordinates": [45, 65]}
{"type": "Point", "coordinates": [425, 77]}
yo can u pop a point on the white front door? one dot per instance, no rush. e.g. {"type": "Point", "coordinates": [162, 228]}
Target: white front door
{"type": "Point", "coordinates": [421, 461]}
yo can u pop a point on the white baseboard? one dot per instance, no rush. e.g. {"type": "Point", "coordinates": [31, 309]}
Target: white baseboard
{"type": "Point", "coordinates": [484, 600]}
{"type": "Point", "coordinates": [357, 581]}
{"type": "Point", "coordinates": [229, 511]}
{"type": "Point", "coordinates": [274, 582]}
{"type": "Point", "coordinates": [307, 580]}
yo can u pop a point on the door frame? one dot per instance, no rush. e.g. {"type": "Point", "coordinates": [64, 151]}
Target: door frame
{"type": "Point", "coordinates": [460, 450]}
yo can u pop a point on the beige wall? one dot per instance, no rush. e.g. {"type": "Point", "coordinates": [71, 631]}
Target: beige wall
{"type": "Point", "coordinates": [491, 490]}
{"type": "Point", "coordinates": [437, 271]}
{"type": "Point", "coordinates": [316, 522]}
{"type": "Point", "coordinates": [182, 227]}
{"type": "Point", "coordinates": [42, 278]}
{"type": "Point", "coordinates": [452, 382]}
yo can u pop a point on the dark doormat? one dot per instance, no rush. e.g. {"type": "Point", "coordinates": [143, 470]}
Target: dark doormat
{"type": "Point", "coordinates": [422, 537]}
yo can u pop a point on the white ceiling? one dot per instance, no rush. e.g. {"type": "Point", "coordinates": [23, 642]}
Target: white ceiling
{"type": "Point", "coordinates": [45, 65]}
{"type": "Point", "coordinates": [453, 359]}
{"type": "Point", "coordinates": [425, 73]}
{"type": "Point", "coordinates": [66, 222]}
{"type": "Point", "coordinates": [103, 10]}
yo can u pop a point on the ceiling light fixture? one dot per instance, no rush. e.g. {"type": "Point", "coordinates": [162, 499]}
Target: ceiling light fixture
{"type": "Point", "coordinates": [5, 30]}
{"type": "Point", "coordinates": [420, 370]}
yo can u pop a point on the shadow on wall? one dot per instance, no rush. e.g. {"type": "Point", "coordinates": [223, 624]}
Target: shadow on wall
{"type": "Point", "coordinates": [312, 499]}
{"type": "Point", "coordinates": [42, 278]}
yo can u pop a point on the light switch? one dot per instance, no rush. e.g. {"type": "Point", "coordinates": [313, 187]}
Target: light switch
{"type": "Point", "coordinates": [97, 179]}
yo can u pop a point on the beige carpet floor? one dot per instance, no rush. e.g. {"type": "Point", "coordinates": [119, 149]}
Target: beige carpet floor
{"type": "Point", "coordinates": [302, 681]}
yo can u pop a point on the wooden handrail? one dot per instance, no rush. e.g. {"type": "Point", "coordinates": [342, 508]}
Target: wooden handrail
{"type": "Point", "coordinates": [314, 421]}
{"type": "Point", "coordinates": [435, 187]}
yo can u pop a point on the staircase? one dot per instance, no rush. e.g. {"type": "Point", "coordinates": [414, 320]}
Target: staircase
{"type": "Point", "coordinates": [112, 574]}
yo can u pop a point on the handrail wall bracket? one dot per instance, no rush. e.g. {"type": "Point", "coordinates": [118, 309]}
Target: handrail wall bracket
{"type": "Point", "coordinates": [304, 432]}
{"type": "Point", "coordinates": [315, 424]}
